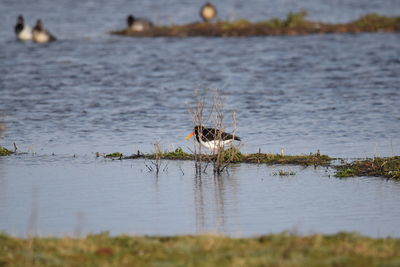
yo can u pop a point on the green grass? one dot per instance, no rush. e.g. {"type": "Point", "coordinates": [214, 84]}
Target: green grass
{"type": "Point", "coordinates": [235, 156]}
{"type": "Point", "coordinates": [303, 160]}
{"type": "Point", "coordinates": [4, 151]}
{"type": "Point", "coordinates": [173, 155]}
{"type": "Point", "coordinates": [342, 249]}
{"type": "Point", "coordinates": [375, 22]}
{"type": "Point", "coordinates": [114, 155]}
{"type": "Point", "coordinates": [383, 167]}
{"type": "Point", "coordinates": [296, 19]}
{"type": "Point", "coordinates": [284, 173]}
{"type": "Point", "coordinates": [346, 172]}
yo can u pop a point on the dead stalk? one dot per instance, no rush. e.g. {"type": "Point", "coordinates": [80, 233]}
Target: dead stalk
{"type": "Point", "coordinates": [219, 159]}
{"type": "Point", "coordinates": [156, 163]}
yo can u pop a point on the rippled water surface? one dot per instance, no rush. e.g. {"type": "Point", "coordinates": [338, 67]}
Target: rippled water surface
{"type": "Point", "coordinates": [91, 92]}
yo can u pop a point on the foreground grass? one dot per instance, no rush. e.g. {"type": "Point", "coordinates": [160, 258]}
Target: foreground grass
{"type": "Point", "coordinates": [383, 167]}
{"type": "Point", "coordinates": [342, 249]}
{"type": "Point", "coordinates": [294, 24]}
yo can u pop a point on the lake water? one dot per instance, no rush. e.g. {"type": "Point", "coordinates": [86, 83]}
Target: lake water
{"type": "Point", "coordinates": [91, 92]}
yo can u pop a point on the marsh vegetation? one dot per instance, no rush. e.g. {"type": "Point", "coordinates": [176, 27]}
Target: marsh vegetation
{"type": "Point", "coordinates": [382, 167]}
{"type": "Point", "coordinates": [294, 24]}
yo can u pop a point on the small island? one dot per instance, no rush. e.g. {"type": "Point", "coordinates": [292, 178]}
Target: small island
{"type": "Point", "coordinates": [294, 24]}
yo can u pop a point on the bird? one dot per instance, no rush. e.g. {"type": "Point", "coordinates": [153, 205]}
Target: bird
{"type": "Point", "coordinates": [208, 12]}
{"type": "Point", "coordinates": [40, 34]}
{"type": "Point", "coordinates": [23, 32]}
{"type": "Point", "coordinates": [212, 138]}
{"type": "Point", "coordinates": [138, 24]}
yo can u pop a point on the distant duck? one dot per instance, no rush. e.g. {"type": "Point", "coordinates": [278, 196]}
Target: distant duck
{"type": "Point", "coordinates": [138, 24]}
{"type": "Point", "coordinates": [23, 32]}
{"type": "Point", "coordinates": [208, 12]}
{"type": "Point", "coordinates": [40, 34]}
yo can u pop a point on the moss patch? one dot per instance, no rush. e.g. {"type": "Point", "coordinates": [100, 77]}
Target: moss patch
{"type": "Point", "coordinates": [114, 155]}
{"type": "Point", "coordinates": [294, 24]}
{"type": "Point", "coordinates": [304, 160]}
{"type": "Point", "coordinates": [342, 249]}
{"type": "Point", "coordinates": [4, 151]}
{"type": "Point", "coordinates": [383, 167]}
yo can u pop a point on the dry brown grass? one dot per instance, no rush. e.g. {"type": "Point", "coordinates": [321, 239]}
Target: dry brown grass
{"type": "Point", "coordinates": [285, 249]}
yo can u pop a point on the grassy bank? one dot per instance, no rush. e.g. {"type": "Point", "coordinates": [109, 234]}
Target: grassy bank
{"type": "Point", "coordinates": [382, 167]}
{"type": "Point", "coordinates": [294, 24]}
{"type": "Point", "coordinates": [342, 249]}
{"type": "Point", "coordinates": [236, 156]}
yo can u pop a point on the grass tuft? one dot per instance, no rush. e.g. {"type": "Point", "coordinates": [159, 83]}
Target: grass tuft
{"type": "Point", "coordinates": [304, 160]}
{"type": "Point", "coordinates": [114, 155]}
{"type": "Point", "coordinates": [375, 22]}
{"type": "Point", "coordinates": [296, 19]}
{"type": "Point", "coordinates": [5, 152]}
{"type": "Point", "coordinates": [384, 167]}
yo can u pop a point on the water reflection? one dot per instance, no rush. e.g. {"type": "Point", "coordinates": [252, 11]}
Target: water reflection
{"type": "Point", "coordinates": [3, 184]}
{"type": "Point", "coordinates": [3, 188]}
{"type": "Point", "coordinates": [32, 227]}
{"type": "Point", "coordinates": [198, 193]}
{"type": "Point", "coordinates": [2, 127]}
{"type": "Point", "coordinates": [215, 198]}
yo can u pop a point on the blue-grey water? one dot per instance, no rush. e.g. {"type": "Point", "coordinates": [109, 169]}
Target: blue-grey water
{"type": "Point", "coordinates": [92, 92]}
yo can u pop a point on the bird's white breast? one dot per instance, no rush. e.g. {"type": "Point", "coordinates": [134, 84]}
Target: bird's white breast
{"type": "Point", "coordinates": [215, 144]}
{"type": "Point", "coordinates": [25, 34]}
{"type": "Point", "coordinates": [40, 37]}
{"type": "Point", "coordinates": [208, 12]}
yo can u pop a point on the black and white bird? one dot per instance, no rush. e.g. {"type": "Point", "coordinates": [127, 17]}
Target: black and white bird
{"type": "Point", "coordinates": [211, 138]}
{"type": "Point", "coordinates": [23, 32]}
{"type": "Point", "coordinates": [40, 34]}
{"type": "Point", "coordinates": [208, 12]}
{"type": "Point", "coordinates": [138, 24]}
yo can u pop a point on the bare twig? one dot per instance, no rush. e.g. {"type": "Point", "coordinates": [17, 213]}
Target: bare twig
{"type": "Point", "coordinates": [220, 157]}
{"type": "Point", "coordinates": [180, 168]}
{"type": "Point", "coordinates": [165, 168]}
{"type": "Point", "coordinates": [148, 166]}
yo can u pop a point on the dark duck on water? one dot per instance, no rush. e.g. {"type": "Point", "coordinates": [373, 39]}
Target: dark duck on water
{"type": "Point", "coordinates": [138, 24]}
{"type": "Point", "coordinates": [23, 32]}
{"type": "Point", "coordinates": [211, 138]}
{"type": "Point", "coordinates": [40, 34]}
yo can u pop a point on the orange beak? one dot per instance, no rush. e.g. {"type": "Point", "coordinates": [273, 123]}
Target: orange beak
{"type": "Point", "coordinates": [189, 135]}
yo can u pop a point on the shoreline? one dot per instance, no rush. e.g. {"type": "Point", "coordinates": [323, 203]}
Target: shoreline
{"type": "Point", "coordinates": [386, 167]}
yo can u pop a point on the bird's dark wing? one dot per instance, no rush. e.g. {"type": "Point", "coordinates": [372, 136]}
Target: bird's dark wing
{"type": "Point", "coordinates": [214, 134]}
